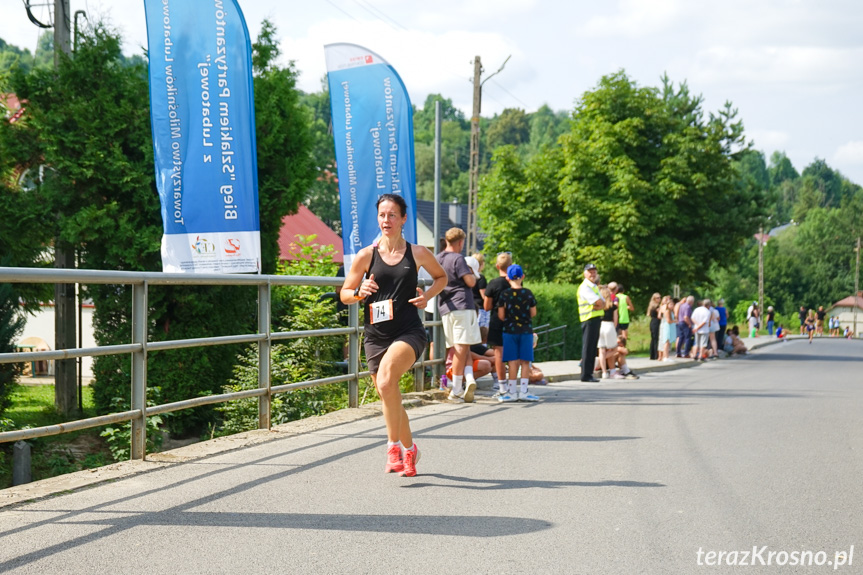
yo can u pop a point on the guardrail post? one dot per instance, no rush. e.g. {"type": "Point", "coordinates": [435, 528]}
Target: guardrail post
{"type": "Point", "coordinates": [438, 349]}
{"type": "Point", "coordinates": [264, 347]}
{"type": "Point", "coordinates": [354, 355]}
{"type": "Point", "coordinates": [139, 370]}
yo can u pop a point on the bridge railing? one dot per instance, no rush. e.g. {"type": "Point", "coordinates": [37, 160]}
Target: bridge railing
{"type": "Point", "coordinates": [140, 346]}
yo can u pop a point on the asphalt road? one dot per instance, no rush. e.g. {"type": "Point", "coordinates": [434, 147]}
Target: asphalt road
{"type": "Point", "coordinates": [618, 477]}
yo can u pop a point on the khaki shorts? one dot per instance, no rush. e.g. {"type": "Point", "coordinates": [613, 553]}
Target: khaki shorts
{"type": "Point", "coordinates": [461, 327]}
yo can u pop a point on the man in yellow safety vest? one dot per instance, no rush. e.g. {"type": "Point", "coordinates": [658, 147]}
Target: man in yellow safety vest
{"type": "Point", "coordinates": [590, 312]}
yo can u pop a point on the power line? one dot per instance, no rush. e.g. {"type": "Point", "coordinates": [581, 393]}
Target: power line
{"type": "Point", "coordinates": [379, 14]}
{"type": "Point", "coordinates": [340, 9]}
{"type": "Point", "coordinates": [513, 96]}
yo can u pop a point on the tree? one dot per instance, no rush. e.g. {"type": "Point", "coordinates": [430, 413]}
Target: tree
{"type": "Point", "coordinates": [11, 325]}
{"type": "Point", "coordinates": [286, 168]}
{"type": "Point", "coordinates": [546, 127]}
{"type": "Point", "coordinates": [520, 208]}
{"type": "Point", "coordinates": [510, 128]}
{"type": "Point", "coordinates": [322, 196]}
{"type": "Point", "coordinates": [639, 182]}
{"type": "Point", "coordinates": [89, 123]}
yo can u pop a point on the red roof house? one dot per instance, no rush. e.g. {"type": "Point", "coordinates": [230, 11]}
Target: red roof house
{"type": "Point", "coordinates": [305, 223]}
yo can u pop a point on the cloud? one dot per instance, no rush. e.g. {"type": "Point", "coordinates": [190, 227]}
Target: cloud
{"type": "Point", "coordinates": [849, 153]}
{"type": "Point", "coordinates": [769, 140]}
{"type": "Point", "coordinates": [634, 19]}
{"type": "Point", "coordinates": [428, 62]}
{"type": "Point", "coordinates": [815, 67]}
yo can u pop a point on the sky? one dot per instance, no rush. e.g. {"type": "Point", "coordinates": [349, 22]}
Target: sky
{"type": "Point", "coordinates": [790, 67]}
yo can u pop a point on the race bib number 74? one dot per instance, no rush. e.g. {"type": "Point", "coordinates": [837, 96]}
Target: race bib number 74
{"type": "Point", "coordinates": [382, 311]}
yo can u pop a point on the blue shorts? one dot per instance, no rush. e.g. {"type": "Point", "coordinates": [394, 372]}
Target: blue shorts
{"type": "Point", "coordinates": [518, 346]}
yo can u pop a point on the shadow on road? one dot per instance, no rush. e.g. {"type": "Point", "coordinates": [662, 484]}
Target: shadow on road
{"type": "Point", "coordinates": [418, 524]}
{"type": "Point", "coordinates": [493, 484]}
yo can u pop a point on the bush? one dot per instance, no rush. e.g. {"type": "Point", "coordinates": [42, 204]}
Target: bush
{"type": "Point", "coordinates": [302, 359]}
{"type": "Point", "coordinates": [557, 305]}
{"type": "Point", "coordinates": [119, 437]}
{"type": "Point", "coordinates": [11, 325]}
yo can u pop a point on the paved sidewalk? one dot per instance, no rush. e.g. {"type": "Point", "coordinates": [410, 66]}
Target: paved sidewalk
{"type": "Point", "coordinates": [570, 370]}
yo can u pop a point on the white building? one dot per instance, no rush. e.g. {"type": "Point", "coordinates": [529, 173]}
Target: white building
{"type": "Point", "coordinates": [38, 335]}
{"type": "Point", "coordinates": [844, 309]}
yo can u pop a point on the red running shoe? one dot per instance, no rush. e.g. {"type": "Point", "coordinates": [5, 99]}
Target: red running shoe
{"type": "Point", "coordinates": [412, 456]}
{"type": "Point", "coordinates": [394, 459]}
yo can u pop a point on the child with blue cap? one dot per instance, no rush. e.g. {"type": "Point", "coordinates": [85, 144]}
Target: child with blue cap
{"type": "Point", "coordinates": [516, 309]}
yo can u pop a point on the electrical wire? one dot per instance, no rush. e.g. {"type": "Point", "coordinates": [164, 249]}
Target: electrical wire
{"type": "Point", "coordinates": [340, 9]}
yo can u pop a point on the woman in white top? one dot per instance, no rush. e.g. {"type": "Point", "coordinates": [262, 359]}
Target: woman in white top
{"type": "Point", "coordinates": [714, 327]}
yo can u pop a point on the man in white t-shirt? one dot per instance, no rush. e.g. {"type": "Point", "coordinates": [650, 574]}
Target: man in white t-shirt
{"type": "Point", "coordinates": [701, 329]}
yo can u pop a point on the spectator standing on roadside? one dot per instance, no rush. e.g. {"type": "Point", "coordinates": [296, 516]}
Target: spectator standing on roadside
{"type": "Point", "coordinates": [495, 326]}
{"type": "Point", "coordinates": [834, 330]}
{"type": "Point", "coordinates": [684, 326]}
{"type": "Point", "coordinates": [770, 317]}
{"type": "Point", "coordinates": [516, 309]}
{"type": "Point", "coordinates": [752, 317]}
{"type": "Point", "coordinates": [723, 323]}
{"type": "Point", "coordinates": [701, 329]}
{"type": "Point", "coordinates": [458, 314]}
{"type": "Point", "coordinates": [655, 321]}
{"type": "Point", "coordinates": [590, 311]}
{"type": "Point", "coordinates": [483, 316]}
{"type": "Point", "coordinates": [624, 308]}
{"type": "Point", "coordinates": [667, 328]}
{"type": "Point", "coordinates": [714, 329]}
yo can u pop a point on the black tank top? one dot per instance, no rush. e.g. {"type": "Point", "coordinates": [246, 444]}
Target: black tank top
{"type": "Point", "coordinates": [398, 283]}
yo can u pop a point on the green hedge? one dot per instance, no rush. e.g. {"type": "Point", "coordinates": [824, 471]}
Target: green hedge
{"type": "Point", "coordinates": [557, 305]}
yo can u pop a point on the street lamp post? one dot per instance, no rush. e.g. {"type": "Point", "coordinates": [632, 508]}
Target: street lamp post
{"type": "Point", "coordinates": [856, 285]}
{"type": "Point", "coordinates": [761, 276]}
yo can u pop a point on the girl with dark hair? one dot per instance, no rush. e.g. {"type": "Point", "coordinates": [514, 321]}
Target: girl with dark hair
{"type": "Point", "coordinates": [653, 314]}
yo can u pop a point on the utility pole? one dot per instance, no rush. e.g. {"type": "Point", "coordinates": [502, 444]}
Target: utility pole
{"type": "Point", "coordinates": [857, 286]}
{"type": "Point", "coordinates": [473, 187]}
{"type": "Point", "coordinates": [65, 384]}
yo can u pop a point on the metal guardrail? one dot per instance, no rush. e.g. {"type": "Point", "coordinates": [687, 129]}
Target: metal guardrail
{"type": "Point", "coordinates": [140, 346]}
{"type": "Point", "coordinates": [544, 344]}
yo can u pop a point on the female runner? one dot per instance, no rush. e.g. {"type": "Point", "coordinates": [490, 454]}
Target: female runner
{"type": "Point", "coordinates": [394, 333]}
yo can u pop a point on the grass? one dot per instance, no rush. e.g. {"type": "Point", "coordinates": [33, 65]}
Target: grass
{"type": "Point", "coordinates": [33, 406]}
{"type": "Point", "coordinates": [639, 337]}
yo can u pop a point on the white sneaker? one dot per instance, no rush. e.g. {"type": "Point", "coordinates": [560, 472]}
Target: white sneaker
{"type": "Point", "coordinates": [604, 375]}
{"type": "Point", "coordinates": [527, 397]}
{"type": "Point", "coordinates": [469, 388]}
{"type": "Point", "coordinates": [455, 398]}
{"type": "Point", "coordinates": [498, 393]}
{"type": "Point", "coordinates": [507, 398]}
